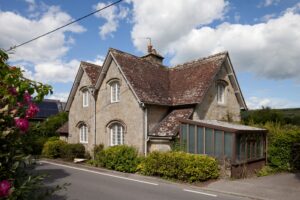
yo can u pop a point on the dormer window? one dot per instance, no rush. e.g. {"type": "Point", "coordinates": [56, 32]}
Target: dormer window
{"type": "Point", "coordinates": [221, 92]}
{"type": "Point", "coordinates": [85, 98]}
{"type": "Point", "coordinates": [114, 91]}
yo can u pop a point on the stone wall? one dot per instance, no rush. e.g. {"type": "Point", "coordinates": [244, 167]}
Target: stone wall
{"type": "Point", "coordinates": [155, 115]}
{"type": "Point", "coordinates": [78, 113]}
{"type": "Point", "coordinates": [212, 110]}
{"type": "Point", "coordinates": [127, 111]}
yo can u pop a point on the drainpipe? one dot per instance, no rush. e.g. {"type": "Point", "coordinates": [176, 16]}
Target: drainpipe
{"type": "Point", "coordinates": [92, 90]}
{"type": "Point", "coordinates": [145, 128]}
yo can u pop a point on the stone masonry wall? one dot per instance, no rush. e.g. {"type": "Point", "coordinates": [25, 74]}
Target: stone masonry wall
{"type": "Point", "coordinates": [210, 109]}
{"type": "Point", "coordinates": [127, 111]}
{"type": "Point", "coordinates": [79, 113]}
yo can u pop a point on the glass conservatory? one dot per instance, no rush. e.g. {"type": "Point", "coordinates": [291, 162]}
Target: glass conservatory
{"type": "Point", "coordinates": [241, 146]}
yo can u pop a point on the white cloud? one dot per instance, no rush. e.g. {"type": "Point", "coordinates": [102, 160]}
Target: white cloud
{"type": "Point", "coordinates": [267, 17]}
{"type": "Point", "coordinates": [56, 71]}
{"type": "Point", "coordinates": [46, 54]}
{"type": "Point", "coordinates": [269, 49]}
{"type": "Point", "coordinates": [258, 102]}
{"type": "Point", "coordinates": [266, 3]}
{"type": "Point", "coordinates": [112, 15]}
{"type": "Point", "coordinates": [165, 21]}
{"type": "Point", "coordinates": [98, 60]}
{"type": "Point", "coordinates": [62, 96]}
{"type": "Point", "coordinates": [31, 5]}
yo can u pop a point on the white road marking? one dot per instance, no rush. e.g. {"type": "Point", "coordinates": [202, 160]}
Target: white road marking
{"type": "Point", "coordinates": [100, 173]}
{"type": "Point", "coordinates": [193, 191]}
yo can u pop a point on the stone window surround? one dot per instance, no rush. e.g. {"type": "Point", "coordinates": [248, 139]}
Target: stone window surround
{"type": "Point", "coordinates": [114, 82]}
{"type": "Point", "coordinates": [83, 129]}
{"type": "Point", "coordinates": [85, 96]}
{"type": "Point", "coordinates": [109, 130]}
{"type": "Point", "coordinates": [221, 85]}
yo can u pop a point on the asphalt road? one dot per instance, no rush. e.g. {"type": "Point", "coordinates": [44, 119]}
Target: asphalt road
{"type": "Point", "coordinates": [89, 184]}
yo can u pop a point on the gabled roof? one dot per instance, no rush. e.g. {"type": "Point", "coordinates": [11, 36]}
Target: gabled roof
{"type": "Point", "coordinates": [92, 71]}
{"type": "Point", "coordinates": [184, 84]}
{"type": "Point", "coordinates": [169, 126]}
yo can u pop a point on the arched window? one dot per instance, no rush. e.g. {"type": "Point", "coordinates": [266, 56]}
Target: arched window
{"type": "Point", "coordinates": [116, 134]}
{"type": "Point", "coordinates": [114, 91]}
{"type": "Point", "coordinates": [85, 98]}
{"type": "Point", "coordinates": [83, 135]}
{"type": "Point", "coordinates": [221, 93]}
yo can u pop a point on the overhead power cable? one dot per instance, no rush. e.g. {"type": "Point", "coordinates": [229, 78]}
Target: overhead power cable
{"type": "Point", "coordinates": [58, 28]}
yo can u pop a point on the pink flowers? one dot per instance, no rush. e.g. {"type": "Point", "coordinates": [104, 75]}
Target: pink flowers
{"type": "Point", "coordinates": [22, 124]}
{"type": "Point", "coordinates": [27, 97]}
{"type": "Point", "coordinates": [4, 188]}
{"type": "Point", "coordinates": [32, 110]}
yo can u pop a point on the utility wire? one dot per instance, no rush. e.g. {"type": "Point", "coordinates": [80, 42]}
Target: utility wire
{"type": "Point", "coordinates": [72, 22]}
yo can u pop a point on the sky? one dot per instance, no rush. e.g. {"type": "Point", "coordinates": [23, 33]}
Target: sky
{"type": "Point", "coordinates": [261, 36]}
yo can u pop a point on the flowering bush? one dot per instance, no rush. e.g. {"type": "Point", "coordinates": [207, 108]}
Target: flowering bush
{"type": "Point", "coordinates": [17, 105]}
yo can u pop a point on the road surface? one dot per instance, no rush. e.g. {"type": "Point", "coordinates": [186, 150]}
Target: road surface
{"type": "Point", "coordinates": [87, 184]}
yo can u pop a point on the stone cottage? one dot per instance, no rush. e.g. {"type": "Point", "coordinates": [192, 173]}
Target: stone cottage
{"type": "Point", "coordinates": [140, 102]}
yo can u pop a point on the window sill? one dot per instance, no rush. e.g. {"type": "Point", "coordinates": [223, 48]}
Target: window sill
{"type": "Point", "coordinates": [81, 142]}
{"type": "Point", "coordinates": [114, 102]}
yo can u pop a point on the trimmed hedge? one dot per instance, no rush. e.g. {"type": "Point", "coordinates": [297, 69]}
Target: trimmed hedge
{"type": "Point", "coordinates": [53, 148]}
{"type": "Point", "coordinates": [71, 151]}
{"type": "Point", "coordinates": [281, 139]}
{"type": "Point", "coordinates": [121, 158]}
{"type": "Point", "coordinates": [180, 166]}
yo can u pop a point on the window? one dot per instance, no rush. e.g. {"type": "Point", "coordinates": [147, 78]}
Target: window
{"type": "Point", "coordinates": [115, 91]}
{"type": "Point", "coordinates": [85, 98]}
{"type": "Point", "coordinates": [83, 134]}
{"type": "Point", "coordinates": [116, 134]}
{"type": "Point", "coordinates": [221, 93]}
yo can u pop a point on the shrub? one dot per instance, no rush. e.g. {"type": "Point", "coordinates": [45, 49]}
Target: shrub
{"type": "Point", "coordinates": [98, 148]}
{"type": "Point", "coordinates": [71, 151]}
{"type": "Point", "coordinates": [280, 142]}
{"type": "Point", "coordinates": [121, 158]}
{"type": "Point", "coordinates": [180, 165]}
{"type": "Point", "coordinates": [53, 149]}
{"type": "Point", "coordinates": [265, 171]}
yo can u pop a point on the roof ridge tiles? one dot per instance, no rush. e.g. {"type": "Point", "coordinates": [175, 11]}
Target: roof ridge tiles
{"type": "Point", "coordinates": [186, 64]}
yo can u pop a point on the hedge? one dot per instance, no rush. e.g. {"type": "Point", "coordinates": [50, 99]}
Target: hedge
{"type": "Point", "coordinates": [71, 151]}
{"type": "Point", "coordinates": [180, 166]}
{"type": "Point", "coordinates": [121, 158]}
{"type": "Point", "coordinates": [53, 148]}
{"type": "Point", "coordinates": [281, 139]}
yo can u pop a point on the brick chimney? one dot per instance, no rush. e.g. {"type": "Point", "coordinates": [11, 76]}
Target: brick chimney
{"type": "Point", "coordinates": [152, 55]}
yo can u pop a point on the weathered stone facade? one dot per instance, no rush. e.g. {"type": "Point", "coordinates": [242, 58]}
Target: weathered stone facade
{"type": "Point", "coordinates": [211, 109]}
{"type": "Point", "coordinates": [128, 111]}
{"type": "Point", "coordinates": [78, 114]}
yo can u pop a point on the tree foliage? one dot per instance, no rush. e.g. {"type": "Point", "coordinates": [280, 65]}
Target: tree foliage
{"type": "Point", "coordinates": [18, 97]}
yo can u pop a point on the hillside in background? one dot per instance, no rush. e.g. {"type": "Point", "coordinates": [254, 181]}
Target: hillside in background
{"type": "Point", "coordinates": [286, 116]}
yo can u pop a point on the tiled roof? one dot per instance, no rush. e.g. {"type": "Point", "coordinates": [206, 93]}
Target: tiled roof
{"type": "Point", "coordinates": [91, 70]}
{"type": "Point", "coordinates": [179, 85]}
{"type": "Point", "coordinates": [64, 129]}
{"type": "Point", "coordinates": [237, 127]}
{"type": "Point", "coordinates": [169, 126]}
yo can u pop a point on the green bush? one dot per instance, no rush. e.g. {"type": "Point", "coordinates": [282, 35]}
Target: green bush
{"type": "Point", "coordinates": [98, 148]}
{"type": "Point", "coordinates": [71, 151]}
{"type": "Point", "coordinates": [280, 142]}
{"type": "Point", "coordinates": [265, 171]}
{"type": "Point", "coordinates": [121, 158]}
{"type": "Point", "coordinates": [180, 166]}
{"type": "Point", "coordinates": [53, 148]}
